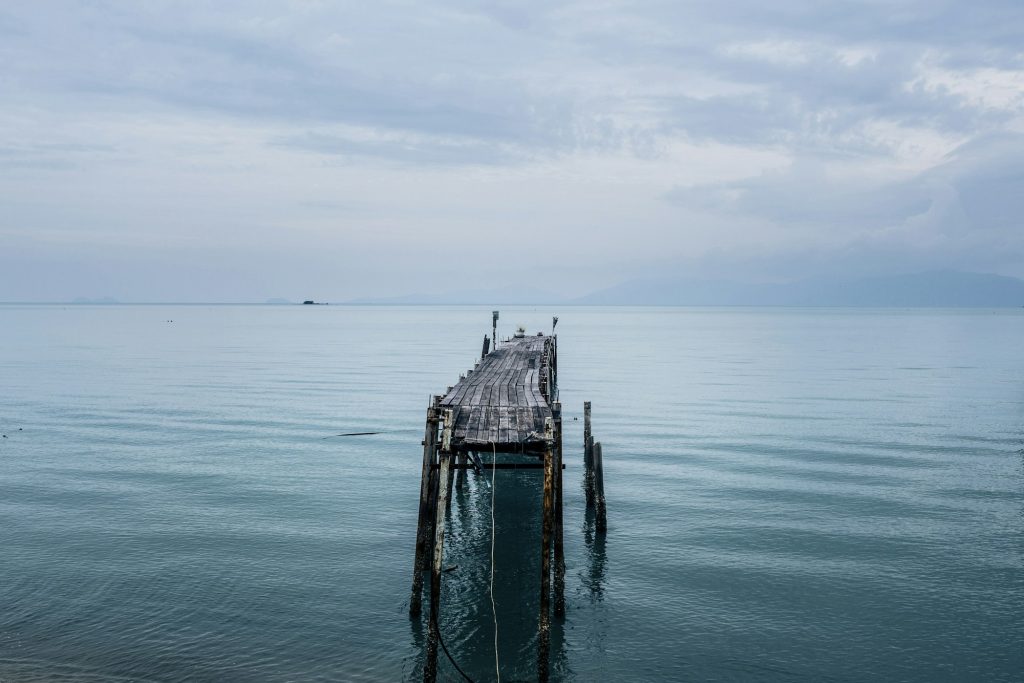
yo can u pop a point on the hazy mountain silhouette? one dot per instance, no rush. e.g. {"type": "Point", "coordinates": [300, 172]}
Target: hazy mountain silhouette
{"type": "Point", "coordinates": [929, 289]}
{"type": "Point", "coordinates": [937, 288]}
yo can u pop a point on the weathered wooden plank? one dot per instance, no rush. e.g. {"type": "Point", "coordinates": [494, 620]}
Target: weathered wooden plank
{"type": "Point", "coordinates": [501, 400]}
{"type": "Point", "coordinates": [503, 414]}
{"type": "Point", "coordinates": [461, 417]}
{"type": "Point", "coordinates": [473, 423]}
{"type": "Point", "coordinates": [478, 394]}
{"type": "Point", "coordinates": [528, 393]}
{"type": "Point", "coordinates": [492, 430]}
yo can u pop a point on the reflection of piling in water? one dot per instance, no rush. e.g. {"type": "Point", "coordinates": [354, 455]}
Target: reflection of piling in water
{"type": "Point", "coordinates": [506, 405]}
{"type": "Point", "coordinates": [594, 541]}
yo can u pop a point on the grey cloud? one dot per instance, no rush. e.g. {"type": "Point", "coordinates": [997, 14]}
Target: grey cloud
{"type": "Point", "coordinates": [820, 86]}
{"type": "Point", "coordinates": [488, 90]}
{"type": "Point", "coordinates": [965, 211]}
{"type": "Point", "coordinates": [164, 122]}
{"type": "Point", "coordinates": [802, 195]}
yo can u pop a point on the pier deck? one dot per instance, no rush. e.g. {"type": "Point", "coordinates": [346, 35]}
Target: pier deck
{"type": "Point", "coordinates": [503, 403]}
{"type": "Point", "coordinates": [506, 405]}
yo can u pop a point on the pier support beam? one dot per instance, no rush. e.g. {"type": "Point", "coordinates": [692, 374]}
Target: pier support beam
{"type": "Point", "coordinates": [461, 465]}
{"type": "Point", "coordinates": [424, 525]}
{"type": "Point", "coordinates": [599, 504]}
{"type": "Point", "coordinates": [430, 668]}
{"type": "Point", "coordinates": [547, 528]}
{"type": "Point", "coordinates": [593, 476]}
{"type": "Point", "coordinates": [559, 547]}
{"type": "Point", "coordinates": [451, 482]}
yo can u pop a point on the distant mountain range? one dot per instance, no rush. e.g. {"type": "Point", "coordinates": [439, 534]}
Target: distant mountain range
{"type": "Point", "coordinates": [933, 288]}
{"type": "Point", "coordinates": [940, 288]}
{"type": "Point", "coordinates": [509, 296]}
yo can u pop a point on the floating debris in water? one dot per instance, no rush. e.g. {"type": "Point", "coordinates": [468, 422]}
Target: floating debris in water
{"type": "Point", "coordinates": [352, 434]}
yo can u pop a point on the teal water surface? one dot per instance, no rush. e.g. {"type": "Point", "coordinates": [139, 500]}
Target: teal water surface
{"type": "Point", "coordinates": [794, 495]}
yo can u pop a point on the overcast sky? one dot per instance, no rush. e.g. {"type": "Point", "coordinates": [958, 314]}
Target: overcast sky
{"type": "Point", "coordinates": [218, 151]}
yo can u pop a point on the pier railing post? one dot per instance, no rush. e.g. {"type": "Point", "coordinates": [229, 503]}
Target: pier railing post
{"type": "Point", "coordinates": [423, 525]}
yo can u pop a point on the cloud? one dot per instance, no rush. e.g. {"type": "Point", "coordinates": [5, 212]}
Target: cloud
{"type": "Point", "coordinates": [621, 136]}
{"type": "Point", "coordinates": [964, 212]}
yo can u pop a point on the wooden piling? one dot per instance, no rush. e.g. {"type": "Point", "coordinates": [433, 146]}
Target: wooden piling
{"type": "Point", "coordinates": [599, 502]}
{"type": "Point", "coordinates": [588, 455]}
{"type": "Point", "coordinates": [423, 525]}
{"type": "Point", "coordinates": [451, 482]}
{"type": "Point", "coordinates": [430, 669]}
{"type": "Point", "coordinates": [461, 464]}
{"type": "Point", "coordinates": [559, 578]}
{"type": "Point", "coordinates": [547, 527]}
{"type": "Point", "coordinates": [447, 431]}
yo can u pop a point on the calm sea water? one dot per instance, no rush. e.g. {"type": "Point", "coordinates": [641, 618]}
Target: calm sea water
{"type": "Point", "coordinates": [812, 495]}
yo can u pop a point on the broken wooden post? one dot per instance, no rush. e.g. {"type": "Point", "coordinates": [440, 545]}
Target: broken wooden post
{"type": "Point", "coordinates": [588, 455]}
{"type": "Point", "coordinates": [599, 504]}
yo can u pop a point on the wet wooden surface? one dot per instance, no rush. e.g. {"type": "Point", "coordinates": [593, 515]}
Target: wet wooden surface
{"type": "Point", "coordinates": [503, 402]}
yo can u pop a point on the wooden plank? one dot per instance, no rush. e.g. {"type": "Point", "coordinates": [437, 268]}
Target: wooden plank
{"type": "Point", "coordinates": [479, 394]}
{"type": "Point", "coordinates": [492, 424]}
{"type": "Point", "coordinates": [474, 423]}
{"type": "Point", "coordinates": [528, 388]}
{"type": "Point", "coordinates": [503, 436]}
{"type": "Point", "coordinates": [501, 400]}
{"type": "Point", "coordinates": [461, 388]}
{"type": "Point", "coordinates": [526, 423]}
{"type": "Point", "coordinates": [460, 416]}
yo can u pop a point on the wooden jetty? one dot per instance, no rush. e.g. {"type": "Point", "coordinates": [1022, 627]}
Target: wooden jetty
{"type": "Point", "coordinates": [506, 406]}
